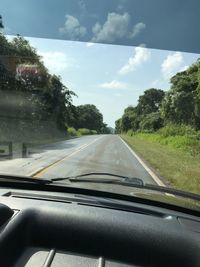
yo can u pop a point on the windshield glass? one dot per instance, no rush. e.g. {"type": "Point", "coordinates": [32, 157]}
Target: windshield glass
{"type": "Point", "coordinates": [102, 88]}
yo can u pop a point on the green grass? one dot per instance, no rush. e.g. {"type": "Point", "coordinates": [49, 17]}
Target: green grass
{"type": "Point", "coordinates": [171, 159]}
{"type": "Point", "coordinates": [186, 143]}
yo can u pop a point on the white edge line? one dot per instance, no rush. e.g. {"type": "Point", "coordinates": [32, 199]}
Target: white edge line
{"type": "Point", "coordinates": [152, 174]}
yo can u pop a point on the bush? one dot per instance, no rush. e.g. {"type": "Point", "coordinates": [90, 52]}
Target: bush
{"type": "Point", "coordinates": [72, 132]}
{"type": "Point", "coordinates": [130, 133]}
{"type": "Point", "coordinates": [180, 142]}
{"type": "Point", "coordinates": [175, 129]}
{"type": "Point", "coordinates": [93, 132]}
{"type": "Point", "coordinates": [186, 142]}
{"type": "Point", "coordinates": [198, 135]}
{"type": "Point", "coordinates": [151, 122]}
{"type": "Point", "coordinates": [84, 131]}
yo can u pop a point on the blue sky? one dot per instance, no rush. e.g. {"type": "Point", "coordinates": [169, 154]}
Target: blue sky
{"type": "Point", "coordinates": [110, 76]}
{"type": "Point", "coordinates": [107, 75]}
{"type": "Point", "coordinates": [160, 24]}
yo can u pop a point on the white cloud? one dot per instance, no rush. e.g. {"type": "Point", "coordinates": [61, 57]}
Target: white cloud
{"type": "Point", "coordinates": [72, 28]}
{"type": "Point", "coordinates": [137, 29]}
{"type": "Point", "coordinates": [142, 54]}
{"type": "Point", "coordinates": [172, 64]}
{"type": "Point", "coordinates": [114, 85]}
{"type": "Point", "coordinates": [116, 27]}
{"type": "Point", "coordinates": [55, 61]}
{"type": "Point", "coordinates": [142, 45]}
{"type": "Point", "coordinates": [96, 28]}
{"type": "Point", "coordinates": [89, 44]}
{"type": "Point", "coordinates": [184, 68]}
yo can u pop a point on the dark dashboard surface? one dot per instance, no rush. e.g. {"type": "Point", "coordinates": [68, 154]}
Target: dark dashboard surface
{"type": "Point", "coordinates": [57, 229]}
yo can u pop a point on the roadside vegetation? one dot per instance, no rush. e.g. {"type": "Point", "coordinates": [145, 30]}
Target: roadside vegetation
{"type": "Point", "coordinates": [177, 166]}
{"type": "Point", "coordinates": [42, 105]}
{"type": "Point", "coordinates": [80, 132]}
{"type": "Point", "coordinates": [164, 128]}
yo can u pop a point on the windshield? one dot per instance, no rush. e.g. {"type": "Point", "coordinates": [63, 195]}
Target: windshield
{"type": "Point", "coordinates": [111, 87]}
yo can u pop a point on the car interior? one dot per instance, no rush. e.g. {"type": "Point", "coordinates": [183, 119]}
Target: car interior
{"type": "Point", "coordinates": [41, 228]}
{"type": "Point", "coordinates": [43, 225]}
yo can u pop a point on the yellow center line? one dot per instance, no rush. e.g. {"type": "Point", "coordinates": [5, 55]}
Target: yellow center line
{"type": "Point", "coordinates": [43, 170]}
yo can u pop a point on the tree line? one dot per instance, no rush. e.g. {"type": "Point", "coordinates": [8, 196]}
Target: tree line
{"type": "Point", "coordinates": [180, 105]}
{"type": "Point", "coordinates": [35, 101]}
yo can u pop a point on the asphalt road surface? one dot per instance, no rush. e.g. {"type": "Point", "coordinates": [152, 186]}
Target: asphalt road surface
{"type": "Point", "coordinates": [99, 153]}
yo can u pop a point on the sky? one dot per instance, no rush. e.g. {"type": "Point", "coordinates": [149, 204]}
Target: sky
{"type": "Point", "coordinates": [160, 24]}
{"type": "Point", "coordinates": [110, 76]}
{"type": "Point", "coordinates": [103, 49]}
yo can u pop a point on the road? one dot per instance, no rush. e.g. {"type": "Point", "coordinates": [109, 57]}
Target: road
{"type": "Point", "coordinates": [98, 153]}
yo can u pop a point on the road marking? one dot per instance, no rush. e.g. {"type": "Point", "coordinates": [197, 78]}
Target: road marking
{"type": "Point", "coordinates": [41, 171]}
{"type": "Point", "coordinates": [152, 174]}
{"type": "Point", "coordinates": [32, 174]}
{"type": "Point", "coordinates": [36, 172]}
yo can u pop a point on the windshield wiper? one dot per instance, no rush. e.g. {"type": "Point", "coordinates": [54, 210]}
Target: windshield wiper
{"type": "Point", "coordinates": [21, 178]}
{"type": "Point", "coordinates": [78, 178]}
{"type": "Point", "coordinates": [122, 180]}
{"type": "Point", "coordinates": [126, 181]}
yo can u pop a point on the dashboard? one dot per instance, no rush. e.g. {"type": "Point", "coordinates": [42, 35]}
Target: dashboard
{"type": "Point", "coordinates": [64, 229]}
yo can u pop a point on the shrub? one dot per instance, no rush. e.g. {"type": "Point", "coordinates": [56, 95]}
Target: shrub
{"type": "Point", "coordinates": [186, 142]}
{"type": "Point", "coordinates": [84, 131]}
{"type": "Point", "coordinates": [71, 131]}
{"type": "Point", "coordinates": [93, 132]}
{"type": "Point", "coordinates": [130, 133]}
{"type": "Point", "coordinates": [175, 129]}
{"type": "Point", "coordinates": [151, 122]}
{"type": "Point", "coordinates": [180, 142]}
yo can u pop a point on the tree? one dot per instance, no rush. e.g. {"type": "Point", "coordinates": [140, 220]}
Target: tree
{"type": "Point", "coordinates": [125, 122]}
{"type": "Point", "coordinates": [118, 126]}
{"type": "Point", "coordinates": [1, 23]}
{"type": "Point", "coordinates": [56, 98]}
{"type": "Point", "coordinates": [105, 129]}
{"type": "Point", "coordinates": [43, 96]}
{"type": "Point", "coordinates": [71, 116]}
{"type": "Point", "coordinates": [150, 101]}
{"type": "Point", "coordinates": [89, 117]}
{"type": "Point", "coordinates": [151, 122]}
{"type": "Point", "coordinates": [22, 48]}
{"type": "Point", "coordinates": [182, 103]}
{"type": "Point", "coordinates": [130, 120]}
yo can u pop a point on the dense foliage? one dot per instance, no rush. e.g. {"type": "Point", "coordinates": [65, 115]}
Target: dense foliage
{"type": "Point", "coordinates": [180, 105]}
{"type": "Point", "coordinates": [40, 101]}
{"type": "Point", "coordinates": [89, 117]}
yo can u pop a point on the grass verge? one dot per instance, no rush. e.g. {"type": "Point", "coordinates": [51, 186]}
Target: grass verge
{"type": "Point", "coordinates": [178, 167]}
